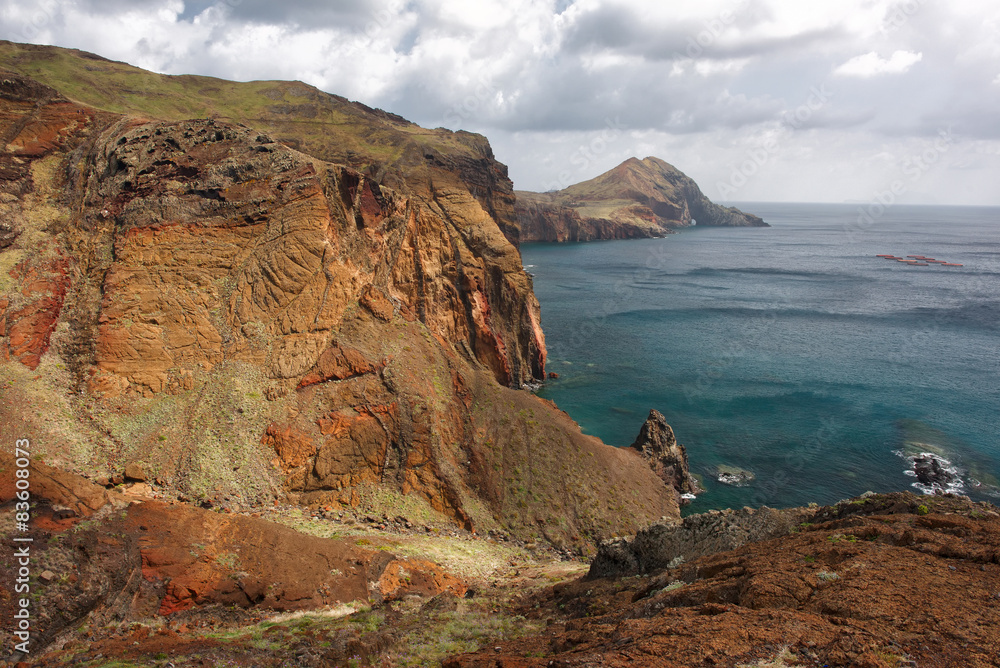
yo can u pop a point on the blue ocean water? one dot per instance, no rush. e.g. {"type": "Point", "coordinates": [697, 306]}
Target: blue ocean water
{"type": "Point", "coordinates": [791, 351]}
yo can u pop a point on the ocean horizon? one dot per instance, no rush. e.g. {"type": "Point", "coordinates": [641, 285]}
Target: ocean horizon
{"type": "Point", "coordinates": [791, 353]}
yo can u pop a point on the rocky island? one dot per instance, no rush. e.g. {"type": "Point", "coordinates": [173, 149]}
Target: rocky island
{"type": "Point", "coordinates": [265, 378]}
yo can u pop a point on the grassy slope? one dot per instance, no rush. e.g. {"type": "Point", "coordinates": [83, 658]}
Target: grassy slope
{"type": "Point", "coordinates": [326, 126]}
{"type": "Point", "coordinates": [611, 195]}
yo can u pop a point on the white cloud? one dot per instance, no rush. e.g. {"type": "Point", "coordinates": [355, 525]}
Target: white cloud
{"type": "Point", "coordinates": [870, 64]}
{"type": "Point", "coordinates": [691, 81]}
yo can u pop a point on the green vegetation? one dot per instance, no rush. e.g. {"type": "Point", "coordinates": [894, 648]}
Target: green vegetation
{"type": "Point", "coordinates": [837, 537]}
{"type": "Point", "coordinates": [325, 126]}
{"type": "Point", "coordinates": [673, 586]}
{"type": "Point", "coordinates": [779, 661]}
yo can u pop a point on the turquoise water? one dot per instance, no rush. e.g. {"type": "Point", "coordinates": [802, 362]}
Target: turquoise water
{"type": "Point", "coordinates": [790, 351]}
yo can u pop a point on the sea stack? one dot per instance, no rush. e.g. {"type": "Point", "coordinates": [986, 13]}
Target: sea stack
{"type": "Point", "coordinates": [667, 457]}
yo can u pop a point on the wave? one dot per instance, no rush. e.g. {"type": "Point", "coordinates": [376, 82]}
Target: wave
{"type": "Point", "coordinates": [775, 271]}
{"type": "Point", "coordinates": [981, 315]}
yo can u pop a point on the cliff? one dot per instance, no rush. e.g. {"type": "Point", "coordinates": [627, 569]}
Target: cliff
{"type": "Point", "coordinates": [636, 199]}
{"type": "Point", "coordinates": [251, 322]}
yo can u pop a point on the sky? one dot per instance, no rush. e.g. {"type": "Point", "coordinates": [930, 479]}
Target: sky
{"type": "Point", "coordinates": [757, 100]}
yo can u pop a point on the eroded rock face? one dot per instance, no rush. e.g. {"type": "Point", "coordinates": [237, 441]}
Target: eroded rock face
{"type": "Point", "coordinates": [248, 322]}
{"type": "Point", "coordinates": [667, 457]}
{"type": "Point", "coordinates": [192, 557]}
{"type": "Point", "coordinates": [229, 246]}
{"type": "Point", "coordinates": [636, 199]}
{"type": "Point", "coordinates": [133, 559]}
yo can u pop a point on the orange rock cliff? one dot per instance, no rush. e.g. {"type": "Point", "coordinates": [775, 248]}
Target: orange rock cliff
{"type": "Point", "coordinates": [251, 322]}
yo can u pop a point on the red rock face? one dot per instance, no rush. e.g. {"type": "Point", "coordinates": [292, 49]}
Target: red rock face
{"type": "Point", "coordinates": [337, 363]}
{"type": "Point", "coordinates": [887, 581]}
{"type": "Point", "coordinates": [255, 321]}
{"type": "Point", "coordinates": [35, 123]}
{"type": "Point", "coordinates": [150, 557]}
{"type": "Point", "coordinates": [202, 558]}
{"type": "Point", "coordinates": [27, 330]}
{"type": "Point", "coordinates": [226, 207]}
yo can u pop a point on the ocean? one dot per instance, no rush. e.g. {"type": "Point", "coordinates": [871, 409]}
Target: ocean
{"type": "Point", "coordinates": [791, 353]}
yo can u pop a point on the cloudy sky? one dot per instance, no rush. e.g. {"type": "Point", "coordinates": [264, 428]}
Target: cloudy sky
{"type": "Point", "coordinates": [758, 100]}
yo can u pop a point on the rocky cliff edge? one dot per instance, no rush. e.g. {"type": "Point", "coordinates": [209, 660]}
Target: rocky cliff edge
{"type": "Point", "coordinates": [248, 322]}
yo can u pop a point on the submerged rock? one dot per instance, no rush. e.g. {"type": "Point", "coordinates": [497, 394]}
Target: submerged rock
{"type": "Point", "coordinates": [734, 476]}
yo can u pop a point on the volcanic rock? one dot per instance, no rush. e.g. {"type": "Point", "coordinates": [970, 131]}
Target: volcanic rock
{"type": "Point", "coordinates": [930, 472]}
{"type": "Point", "coordinates": [257, 322]}
{"type": "Point", "coordinates": [636, 199]}
{"type": "Point", "coordinates": [667, 458]}
{"type": "Point", "coordinates": [876, 581]}
{"type": "Point", "coordinates": [666, 543]}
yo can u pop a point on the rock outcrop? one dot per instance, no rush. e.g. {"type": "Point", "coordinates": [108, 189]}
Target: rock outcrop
{"type": "Point", "coordinates": [891, 580]}
{"type": "Point", "coordinates": [245, 321]}
{"type": "Point", "coordinates": [136, 558]}
{"type": "Point", "coordinates": [667, 457]}
{"type": "Point", "coordinates": [636, 199]}
{"type": "Point", "coordinates": [666, 544]}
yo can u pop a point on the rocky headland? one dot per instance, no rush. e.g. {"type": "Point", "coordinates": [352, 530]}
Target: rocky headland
{"type": "Point", "coordinates": [249, 322]}
{"type": "Point", "coordinates": [636, 199]}
{"type": "Point", "coordinates": [269, 348]}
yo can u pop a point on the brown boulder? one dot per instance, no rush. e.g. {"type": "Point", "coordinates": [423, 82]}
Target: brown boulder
{"type": "Point", "coordinates": [134, 472]}
{"type": "Point", "coordinates": [58, 488]}
{"type": "Point", "coordinates": [337, 363]}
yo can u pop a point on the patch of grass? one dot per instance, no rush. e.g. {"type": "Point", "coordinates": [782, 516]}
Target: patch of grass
{"type": "Point", "coordinates": [838, 537]}
{"type": "Point", "coordinates": [451, 633]}
{"type": "Point", "coordinates": [779, 661]}
{"type": "Point", "coordinates": [889, 657]}
{"type": "Point", "coordinates": [229, 560]}
{"type": "Point", "coordinates": [673, 586]}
